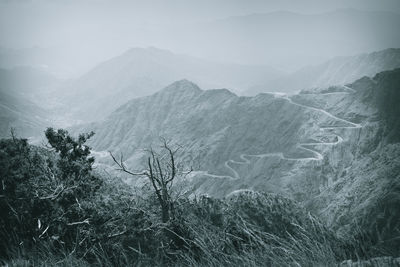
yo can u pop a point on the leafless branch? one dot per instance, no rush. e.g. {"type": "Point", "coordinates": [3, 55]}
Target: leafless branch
{"type": "Point", "coordinates": [122, 167]}
{"type": "Point", "coordinates": [86, 221]}
{"type": "Point", "coordinates": [162, 170]}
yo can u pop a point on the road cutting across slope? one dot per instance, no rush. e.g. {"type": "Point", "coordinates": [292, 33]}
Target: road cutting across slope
{"type": "Point", "coordinates": [304, 146]}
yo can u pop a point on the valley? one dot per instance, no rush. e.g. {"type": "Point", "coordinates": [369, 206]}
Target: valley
{"type": "Point", "coordinates": [200, 133]}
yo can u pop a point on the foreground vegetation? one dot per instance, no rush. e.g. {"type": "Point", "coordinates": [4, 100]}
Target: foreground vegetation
{"type": "Point", "coordinates": [55, 210]}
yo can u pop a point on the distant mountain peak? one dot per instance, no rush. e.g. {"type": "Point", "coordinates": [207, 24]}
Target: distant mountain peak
{"type": "Point", "coordinates": [183, 86]}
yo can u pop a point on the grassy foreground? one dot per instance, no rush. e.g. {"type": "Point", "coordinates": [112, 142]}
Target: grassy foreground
{"type": "Point", "coordinates": [57, 211]}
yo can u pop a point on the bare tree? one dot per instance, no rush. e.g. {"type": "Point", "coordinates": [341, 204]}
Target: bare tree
{"type": "Point", "coordinates": [161, 170]}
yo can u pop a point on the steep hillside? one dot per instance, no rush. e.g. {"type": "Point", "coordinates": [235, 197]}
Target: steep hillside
{"type": "Point", "coordinates": [338, 71]}
{"type": "Point", "coordinates": [140, 72]}
{"type": "Point", "coordinates": [356, 187]}
{"type": "Point", "coordinates": [366, 194]}
{"type": "Point", "coordinates": [213, 125]}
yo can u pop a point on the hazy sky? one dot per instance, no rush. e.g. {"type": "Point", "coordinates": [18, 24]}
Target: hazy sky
{"type": "Point", "coordinates": [99, 29]}
{"type": "Point", "coordinates": [25, 23]}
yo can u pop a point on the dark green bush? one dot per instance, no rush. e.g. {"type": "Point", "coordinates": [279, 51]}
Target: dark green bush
{"type": "Point", "coordinates": [41, 198]}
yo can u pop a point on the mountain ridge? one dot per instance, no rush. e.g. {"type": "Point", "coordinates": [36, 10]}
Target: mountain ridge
{"type": "Point", "coordinates": [139, 72]}
{"type": "Point", "coordinates": [337, 71]}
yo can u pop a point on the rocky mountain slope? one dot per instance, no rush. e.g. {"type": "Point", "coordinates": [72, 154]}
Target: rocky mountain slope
{"type": "Point", "coordinates": [338, 71]}
{"type": "Point", "coordinates": [328, 149]}
{"type": "Point", "coordinates": [143, 71]}
{"type": "Point", "coordinates": [213, 125]}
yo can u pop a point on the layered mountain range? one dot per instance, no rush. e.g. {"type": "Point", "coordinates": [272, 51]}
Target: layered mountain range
{"type": "Point", "coordinates": [282, 39]}
{"type": "Point", "coordinates": [252, 105]}
{"type": "Point", "coordinates": [142, 71]}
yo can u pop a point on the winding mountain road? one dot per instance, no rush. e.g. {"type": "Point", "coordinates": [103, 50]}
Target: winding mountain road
{"type": "Point", "coordinates": [304, 146]}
